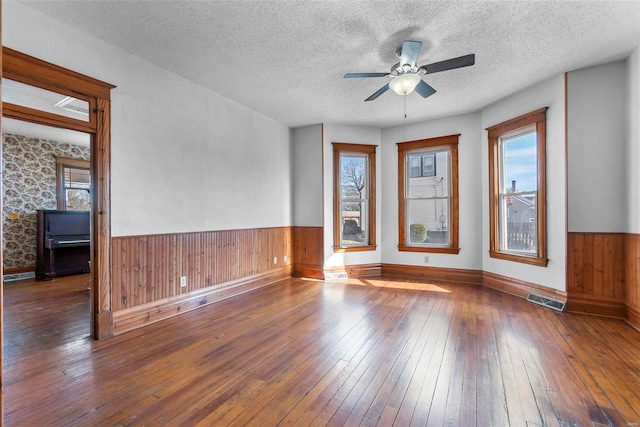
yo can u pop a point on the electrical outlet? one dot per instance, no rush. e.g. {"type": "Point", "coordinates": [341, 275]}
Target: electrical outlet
{"type": "Point", "coordinates": [183, 281]}
{"type": "Point", "coordinates": [426, 260]}
{"type": "Point", "coordinates": [275, 259]}
{"type": "Point", "coordinates": [285, 259]}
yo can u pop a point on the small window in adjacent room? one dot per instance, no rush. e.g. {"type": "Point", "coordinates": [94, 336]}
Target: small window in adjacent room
{"type": "Point", "coordinates": [354, 203]}
{"type": "Point", "coordinates": [517, 205]}
{"type": "Point", "coordinates": [428, 195]}
{"type": "Point", "coordinates": [73, 184]}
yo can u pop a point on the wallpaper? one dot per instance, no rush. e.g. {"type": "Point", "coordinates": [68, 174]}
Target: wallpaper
{"type": "Point", "coordinates": [29, 166]}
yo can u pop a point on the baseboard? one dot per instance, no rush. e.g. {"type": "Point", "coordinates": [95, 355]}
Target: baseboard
{"type": "Point", "coordinates": [103, 325]}
{"type": "Point", "coordinates": [597, 305]}
{"type": "Point", "coordinates": [136, 317]}
{"type": "Point", "coordinates": [519, 288]}
{"type": "Point", "coordinates": [633, 318]}
{"type": "Point", "coordinates": [18, 270]}
{"type": "Point", "coordinates": [435, 274]}
{"type": "Point", "coordinates": [309, 271]}
{"type": "Point", "coordinates": [356, 270]}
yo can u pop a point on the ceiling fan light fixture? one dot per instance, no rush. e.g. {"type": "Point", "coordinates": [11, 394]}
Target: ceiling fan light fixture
{"type": "Point", "coordinates": [404, 84]}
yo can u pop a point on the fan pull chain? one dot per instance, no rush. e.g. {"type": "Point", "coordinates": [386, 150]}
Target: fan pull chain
{"type": "Point", "coordinates": [404, 125]}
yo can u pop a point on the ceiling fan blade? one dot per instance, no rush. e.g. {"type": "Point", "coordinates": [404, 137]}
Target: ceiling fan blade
{"type": "Point", "coordinates": [425, 89]}
{"type": "Point", "coordinates": [361, 75]}
{"type": "Point", "coordinates": [450, 64]}
{"type": "Point", "coordinates": [410, 51]}
{"type": "Point", "coordinates": [380, 91]}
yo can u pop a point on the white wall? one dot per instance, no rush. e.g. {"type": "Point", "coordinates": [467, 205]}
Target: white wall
{"type": "Point", "coordinates": [470, 191]}
{"type": "Point", "coordinates": [550, 94]}
{"type": "Point", "coordinates": [351, 135]}
{"type": "Point", "coordinates": [306, 151]}
{"type": "Point", "coordinates": [183, 158]}
{"type": "Point", "coordinates": [596, 140]}
{"type": "Point", "coordinates": [633, 143]}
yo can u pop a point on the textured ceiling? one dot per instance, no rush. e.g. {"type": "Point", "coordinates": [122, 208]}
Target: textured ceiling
{"type": "Point", "coordinates": [286, 59]}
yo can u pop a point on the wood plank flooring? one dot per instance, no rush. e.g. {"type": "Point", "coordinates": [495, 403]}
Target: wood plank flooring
{"type": "Point", "coordinates": [376, 351]}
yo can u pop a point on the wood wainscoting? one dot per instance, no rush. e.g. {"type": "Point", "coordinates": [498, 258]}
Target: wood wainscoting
{"type": "Point", "coordinates": [632, 279]}
{"type": "Point", "coordinates": [308, 252]}
{"type": "Point", "coordinates": [596, 273]}
{"type": "Point", "coordinates": [217, 264]}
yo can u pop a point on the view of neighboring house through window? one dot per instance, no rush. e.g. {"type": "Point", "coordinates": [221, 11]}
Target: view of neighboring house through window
{"type": "Point", "coordinates": [74, 184]}
{"type": "Point", "coordinates": [428, 215]}
{"type": "Point", "coordinates": [354, 196]}
{"type": "Point", "coordinates": [517, 189]}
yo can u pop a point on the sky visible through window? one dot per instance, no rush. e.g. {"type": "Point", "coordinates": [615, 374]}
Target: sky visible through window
{"type": "Point", "coordinates": [520, 162]}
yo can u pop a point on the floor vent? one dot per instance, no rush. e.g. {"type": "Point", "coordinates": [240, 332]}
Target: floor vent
{"type": "Point", "coordinates": [547, 302]}
{"type": "Point", "coordinates": [335, 276]}
{"type": "Point", "coordinates": [18, 276]}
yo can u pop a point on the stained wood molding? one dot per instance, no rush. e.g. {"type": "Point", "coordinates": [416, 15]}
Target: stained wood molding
{"type": "Point", "coordinates": [18, 270]}
{"type": "Point", "coordinates": [136, 317]}
{"type": "Point", "coordinates": [356, 270]}
{"type": "Point", "coordinates": [435, 274]}
{"type": "Point", "coordinates": [633, 317]}
{"type": "Point", "coordinates": [518, 287]}
{"type": "Point", "coordinates": [308, 271]}
{"type": "Point", "coordinates": [596, 304]}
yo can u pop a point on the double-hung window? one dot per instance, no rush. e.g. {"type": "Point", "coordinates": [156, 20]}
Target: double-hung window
{"type": "Point", "coordinates": [354, 200]}
{"type": "Point", "coordinates": [428, 195]}
{"type": "Point", "coordinates": [517, 205]}
{"type": "Point", "coordinates": [73, 182]}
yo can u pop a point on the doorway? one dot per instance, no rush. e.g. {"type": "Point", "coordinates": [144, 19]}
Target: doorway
{"type": "Point", "coordinates": [46, 170]}
{"type": "Point", "coordinates": [94, 96]}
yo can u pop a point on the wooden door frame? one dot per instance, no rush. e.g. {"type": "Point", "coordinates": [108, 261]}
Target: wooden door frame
{"type": "Point", "coordinates": [35, 72]}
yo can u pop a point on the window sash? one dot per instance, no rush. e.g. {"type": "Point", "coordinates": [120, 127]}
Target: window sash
{"type": "Point", "coordinates": [360, 238]}
{"type": "Point", "coordinates": [516, 236]}
{"type": "Point", "coordinates": [434, 226]}
{"type": "Point", "coordinates": [360, 232]}
{"type": "Point", "coordinates": [354, 233]}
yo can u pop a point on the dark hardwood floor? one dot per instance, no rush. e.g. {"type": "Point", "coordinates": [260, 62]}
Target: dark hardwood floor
{"type": "Point", "coordinates": [374, 351]}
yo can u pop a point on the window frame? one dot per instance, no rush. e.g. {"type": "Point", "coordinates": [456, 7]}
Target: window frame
{"type": "Point", "coordinates": [61, 164]}
{"type": "Point", "coordinates": [537, 119]}
{"type": "Point", "coordinates": [340, 148]}
{"type": "Point", "coordinates": [404, 148]}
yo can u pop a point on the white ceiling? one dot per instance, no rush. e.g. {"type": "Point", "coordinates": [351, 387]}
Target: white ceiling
{"type": "Point", "coordinates": [286, 59]}
{"type": "Point", "coordinates": [19, 127]}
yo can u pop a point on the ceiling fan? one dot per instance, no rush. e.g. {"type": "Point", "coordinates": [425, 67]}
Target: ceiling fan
{"type": "Point", "coordinates": [407, 76]}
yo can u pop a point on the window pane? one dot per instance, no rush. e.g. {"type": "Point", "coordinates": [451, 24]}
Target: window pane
{"type": "Point", "coordinates": [518, 222]}
{"type": "Point", "coordinates": [520, 163]}
{"type": "Point", "coordinates": [428, 221]}
{"type": "Point", "coordinates": [430, 186]}
{"type": "Point", "coordinates": [415, 166]}
{"type": "Point", "coordinates": [353, 176]}
{"type": "Point", "coordinates": [44, 100]}
{"type": "Point", "coordinates": [76, 178]}
{"type": "Point", "coordinates": [78, 199]}
{"type": "Point", "coordinates": [429, 165]}
{"type": "Point", "coordinates": [354, 224]}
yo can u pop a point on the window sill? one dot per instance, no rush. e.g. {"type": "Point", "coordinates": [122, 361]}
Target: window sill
{"type": "Point", "coordinates": [435, 250]}
{"type": "Point", "coordinates": [355, 248]}
{"type": "Point", "coordinates": [532, 260]}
